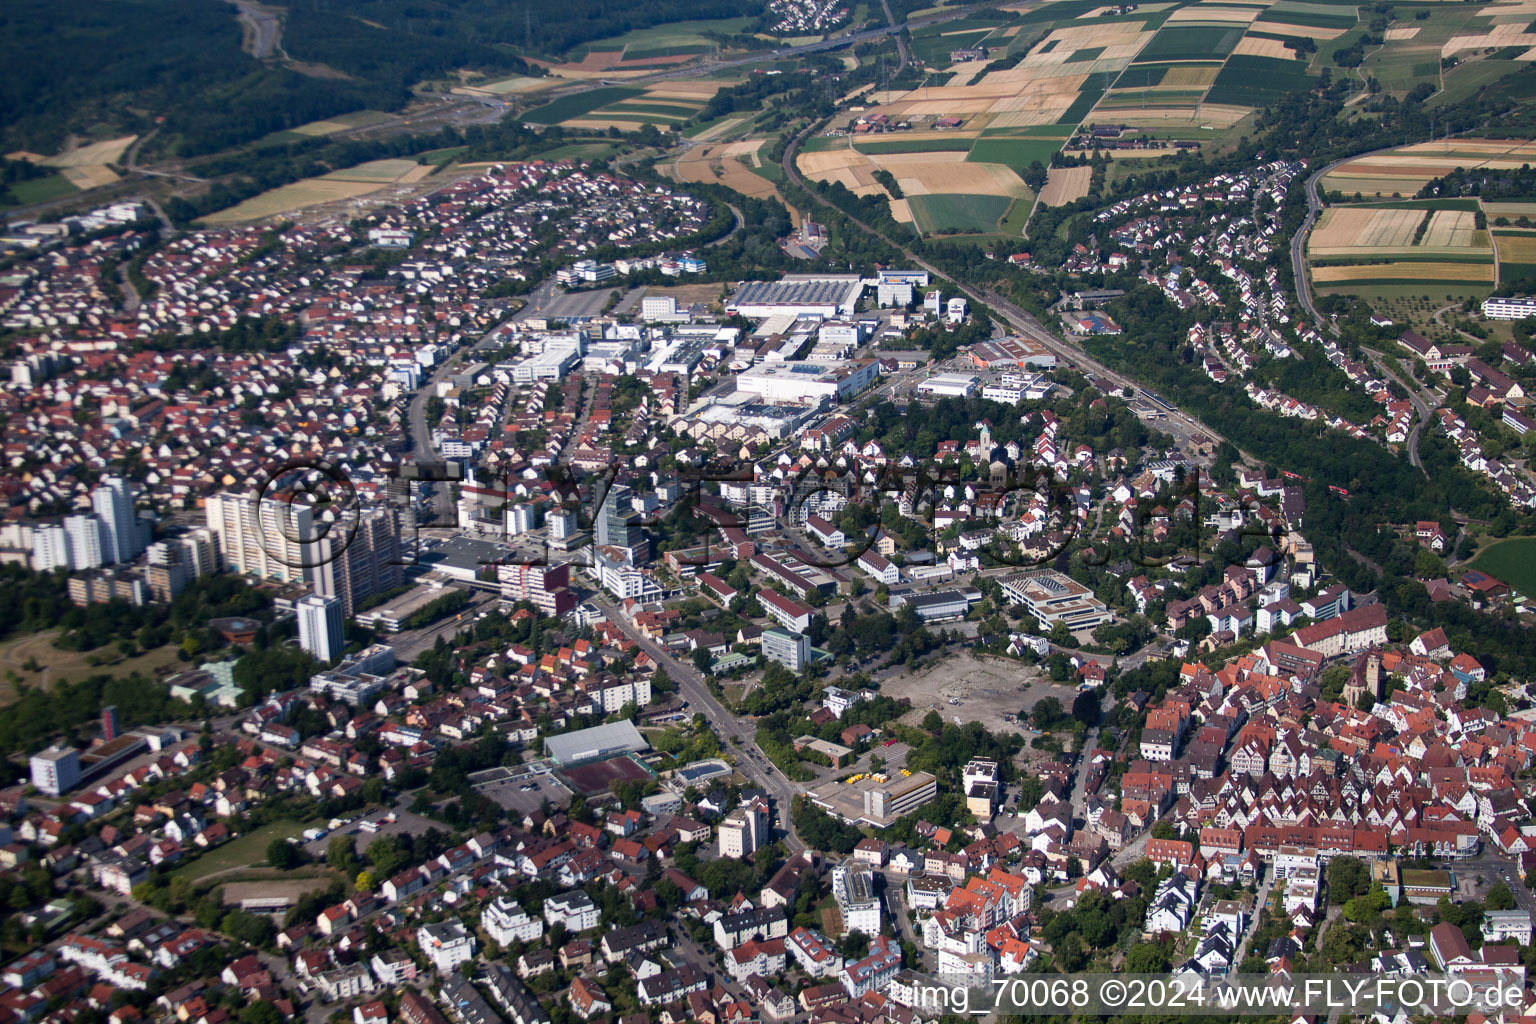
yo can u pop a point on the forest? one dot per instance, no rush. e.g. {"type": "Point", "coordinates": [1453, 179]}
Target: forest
{"type": "Point", "coordinates": [136, 66]}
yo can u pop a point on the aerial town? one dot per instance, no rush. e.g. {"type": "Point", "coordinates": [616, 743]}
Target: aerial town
{"type": "Point", "coordinates": [557, 589]}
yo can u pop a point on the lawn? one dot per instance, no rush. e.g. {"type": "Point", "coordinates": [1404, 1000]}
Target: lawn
{"type": "Point", "coordinates": [248, 851]}
{"type": "Point", "coordinates": [1513, 561]}
{"type": "Point", "coordinates": [948, 212]}
{"type": "Point", "coordinates": [56, 665]}
{"type": "Point", "coordinates": [568, 107]}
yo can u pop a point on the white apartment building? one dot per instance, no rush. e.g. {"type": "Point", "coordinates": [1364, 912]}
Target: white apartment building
{"type": "Point", "coordinates": [446, 944]}
{"type": "Point", "coordinates": [506, 922]}
{"type": "Point", "coordinates": [573, 910]}
{"type": "Point", "coordinates": [744, 830]}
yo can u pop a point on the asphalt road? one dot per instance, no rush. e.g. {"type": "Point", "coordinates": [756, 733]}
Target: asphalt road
{"type": "Point", "coordinates": [750, 760]}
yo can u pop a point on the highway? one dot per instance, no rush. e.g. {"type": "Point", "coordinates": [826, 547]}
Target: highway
{"type": "Point", "coordinates": [750, 760]}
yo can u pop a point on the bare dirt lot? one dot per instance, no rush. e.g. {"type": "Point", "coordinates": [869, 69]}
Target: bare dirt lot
{"type": "Point", "coordinates": [988, 690]}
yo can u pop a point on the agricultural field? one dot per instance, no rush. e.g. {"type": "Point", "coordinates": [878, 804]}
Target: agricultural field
{"type": "Point", "coordinates": [513, 86]}
{"type": "Point", "coordinates": [731, 164]}
{"type": "Point", "coordinates": [341, 123]}
{"type": "Point", "coordinates": [643, 50]}
{"type": "Point", "coordinates": [1192, 42]}
{"type": "Point", "coordinates": [1404, 171]}
{"type": "Point", "coordinates": [1064, 185]}
{"type": "Point", "coordinates": [666, 105]}
{"type": "Point", "coordinates": [349, 183]}
{"type": "Point", "coordinates": [1255, 81]}
{"type": "Point", "coordinates": [1419, 244]}
{"type": "Point", "coordinates": [41, 190]}
{"type": "Point", "coordinates": [79, 167]}
{"type": "Point", "coordinates": [950, 212]}
{"type": "Point", "coordinates": [567, 107]}
{"type": "Point", "coordinates": [1019, 147]}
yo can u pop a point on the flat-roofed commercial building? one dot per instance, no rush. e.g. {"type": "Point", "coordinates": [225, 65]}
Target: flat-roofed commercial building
{"type": "Point", "coordinates": [824, 295]}
{"type": "Point", "coordinates": [599, 741]}
{"type": "Point", "coordinates": [950, 385]}
{"type": "Point", "coordinates": [808, 382]}
{"type": "Point", "coordinates": [1052, 597]}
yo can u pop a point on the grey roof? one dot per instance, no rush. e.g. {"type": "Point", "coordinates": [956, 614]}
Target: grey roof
{"type": "Point", "coordinates": [600, 740]}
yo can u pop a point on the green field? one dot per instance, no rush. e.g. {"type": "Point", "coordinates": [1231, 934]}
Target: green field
{"type": "Point", "coordinates": [1017, 218]}
{"type": "Point", "coordinates": [676, 37]}
{"type": "Point", "coordinates": [1014, 152]}
{"type": "Point", "coordinates": [40, 190]}
{"type": "Point", "coordinates": [1194, 42]}
{"type": "Point", "coordinates": [946, 212]}
{"type": "Point", "coordinates": [1294, 12]}
{"type": "Point", "coordinates": [1089, 95]}
{"type": "Point", "coordinates": [1465, 80]}
{"type": "Point", "coordinates": [249, 850]}
{"type": "Point", "coordinates": [909, 145]}
{"type": "Point", "coordinates": [1249, 81]}
{"type": "Point", "coordinates": [581, 151]}
{"type": "Point", "coordinates": [568, 107]}
{"type": "Point", "coordinates": [1513, 561]}
{"type": "Point", "coordinates": [1081, 56]}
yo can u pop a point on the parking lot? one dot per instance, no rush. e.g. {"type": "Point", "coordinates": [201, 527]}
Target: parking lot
{"type": "Point", "coordinates": [521, 790]}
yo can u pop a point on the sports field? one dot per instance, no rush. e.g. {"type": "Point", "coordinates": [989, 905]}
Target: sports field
{"type": "Point", "coordinates": [599, 777]}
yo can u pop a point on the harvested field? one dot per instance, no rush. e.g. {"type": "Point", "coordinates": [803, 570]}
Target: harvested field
{"type": "Point", "coordinates": [97, 153]}
{"type": "Point", "coordinates": [1453, 228]}
{"type": "Point", "coordinates": [1211, 14]}
{"type": "Point", "coordinates": [1343, 231]}
{"type": "Point", "coordinates": [1516, 247]}
{"type": "Point", "coordinates": [1187, 77]}
{"type": "Point", "coordinates": [728, 165]}
{"type": "Point", "coordinates": [348, 183]}
{"type": "Point", "coordinates": [1495, 38]}
{"type": "Point", "coordinates": [917, 173]}
{"type": "Point", "coordinates": [1256, 46]}
{"type": "Point", "coordinates": [686, 90]}
{"type": "Point", "coordinates": [1065, 184]}
{"type": "Point", "coordinates": [291, 198]}
{"type": "Point", "coordinates": [84, 176]}
{"type": "Point", "coordinates": [1406, 170]}
{"type": "Point", "coordinates": [1398, 34]}
{"type": "Point", "coordinates": [901, 211]}
{"type": "Point", "coordinates": [973, 179]}
{"type": "Point", "coordinates": [1406, 271]}
{"type": "Point", "coordinates": [505, 87]}
{"type": "Point", "coordinates": [382, 172]}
